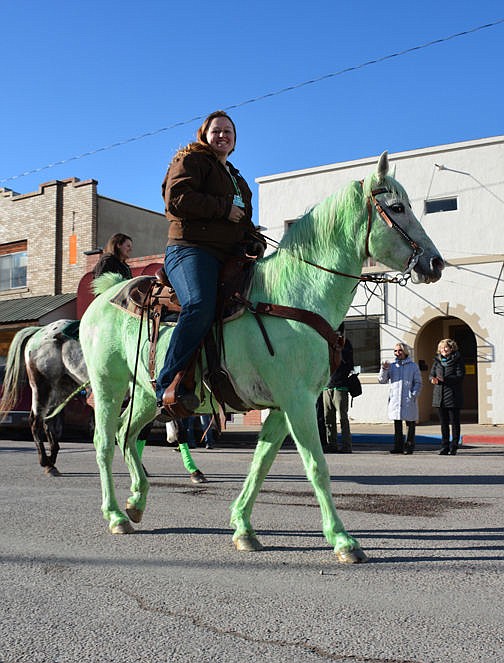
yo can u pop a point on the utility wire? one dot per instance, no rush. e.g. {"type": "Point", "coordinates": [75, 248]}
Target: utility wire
{"type": "Point", "coordinates": [268, 95]}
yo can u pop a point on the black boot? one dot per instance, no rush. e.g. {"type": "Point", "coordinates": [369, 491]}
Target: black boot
{"type": "Point", "coordinates": [409, 447]}
{"type": "Point", "coordinates": [398, 447]}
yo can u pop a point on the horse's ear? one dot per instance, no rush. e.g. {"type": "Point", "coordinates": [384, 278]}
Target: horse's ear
{"type": "Point", "coordinates": [383, 166]}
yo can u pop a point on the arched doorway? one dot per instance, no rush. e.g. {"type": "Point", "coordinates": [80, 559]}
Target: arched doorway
{"type": "Point", "coordinates": [425, 349]}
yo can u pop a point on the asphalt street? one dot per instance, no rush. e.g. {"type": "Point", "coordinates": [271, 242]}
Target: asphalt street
{"type": "Point", "coordinates": [176, 591]}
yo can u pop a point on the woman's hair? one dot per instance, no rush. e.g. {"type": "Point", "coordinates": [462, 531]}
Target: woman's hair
{"type": "Point", "coordinates": [202, 131]}
{"type": "Point", "coordinates": [404, 348]}
{"type": "Point", "coordinates": [448, 342]}
{"type": "Point", "coordinates": [114, 242]}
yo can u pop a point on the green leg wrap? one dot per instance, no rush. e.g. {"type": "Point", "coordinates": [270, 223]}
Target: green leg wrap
{"type": "Point", "coordinates": [140, 447]}
{"type": "Point", "coordinates": [187, 459]}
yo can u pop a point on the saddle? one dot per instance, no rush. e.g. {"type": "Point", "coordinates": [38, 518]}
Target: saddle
{"type": "Point", "coordinates": [154, 298]}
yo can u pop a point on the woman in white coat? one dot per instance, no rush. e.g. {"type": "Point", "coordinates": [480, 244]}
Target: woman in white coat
{"type": "Point", "coordinates": [405, 385]}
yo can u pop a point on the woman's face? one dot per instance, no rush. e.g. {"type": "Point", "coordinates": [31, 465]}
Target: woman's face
{"type": "Point", "coordinates": [125, 249]}
{"type": "Point", "coordinates": [221, 137]}
{"type": "Point", "coordinates": [445, 350]}
{"type": "Point", "coordinates": [399, 352]}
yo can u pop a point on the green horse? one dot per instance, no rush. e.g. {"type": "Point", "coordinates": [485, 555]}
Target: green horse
{"type": "Point", "coordinates": [368, 218]}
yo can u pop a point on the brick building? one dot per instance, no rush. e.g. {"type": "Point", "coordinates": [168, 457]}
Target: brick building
{"type": "Point", "coordinates": [43, 237]}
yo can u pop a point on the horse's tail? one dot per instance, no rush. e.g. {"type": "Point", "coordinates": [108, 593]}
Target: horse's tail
{"type": "Point", "coordinates": [15, 371]}
{"type": "Point", "coordinates": [105, 281]}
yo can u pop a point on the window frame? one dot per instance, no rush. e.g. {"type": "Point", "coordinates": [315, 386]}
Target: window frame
{"type": "Point", "coordinates": [364, 333]}
{"type": "Point", "coordinates": [435, 205]}
{"type": "Point", "coordinates": [9, 253]}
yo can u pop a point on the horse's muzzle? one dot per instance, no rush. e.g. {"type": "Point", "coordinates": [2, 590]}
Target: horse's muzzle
{"type": "Point", "coordinates": [428, 271]}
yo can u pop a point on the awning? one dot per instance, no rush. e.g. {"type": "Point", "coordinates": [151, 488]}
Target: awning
{"type": "Point", "coordinates": [31, 309]}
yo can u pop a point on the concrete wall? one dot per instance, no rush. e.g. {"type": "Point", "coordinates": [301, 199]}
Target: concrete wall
{"type": "Point", "coordinates": [148, 229]}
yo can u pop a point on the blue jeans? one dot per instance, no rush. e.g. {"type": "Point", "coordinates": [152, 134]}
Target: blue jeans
{"type": "Point", "coordinates": [194, 274]}
{"type": "Point", "coordinates": [205, 424]}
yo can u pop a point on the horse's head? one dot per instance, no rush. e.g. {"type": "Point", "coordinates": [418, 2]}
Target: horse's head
{"type": "Point", "coordinates": [394, 236]}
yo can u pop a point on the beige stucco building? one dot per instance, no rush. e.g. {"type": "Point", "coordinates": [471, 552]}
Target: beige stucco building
{"type": "Point", "coordinates": [457, 192]}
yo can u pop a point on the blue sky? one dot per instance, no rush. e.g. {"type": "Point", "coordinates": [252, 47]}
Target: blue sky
{"type": "Point", "coordinates": [78, 77]}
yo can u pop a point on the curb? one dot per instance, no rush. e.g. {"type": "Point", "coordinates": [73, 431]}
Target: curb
{"type": "Point", "coordinates": [482, 439]}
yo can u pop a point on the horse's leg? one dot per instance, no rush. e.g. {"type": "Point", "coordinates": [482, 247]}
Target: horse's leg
{"type": "Point", "coordinates": [37, 430]}
{"type": "Point", "coordinates": [303, 425]}
{"type": "Point", "coordinates": [53, 429]}
{"type": "Point", "coordinates": [136, 502]}
{"type": "Point", "coordinates": [107, 411]}
{"type": "Point", "coordinates": [39, 393]}
{"type": "Point", "coordinates": [270, 440]}
{"type": "Point", "coordinates": [182, 436]}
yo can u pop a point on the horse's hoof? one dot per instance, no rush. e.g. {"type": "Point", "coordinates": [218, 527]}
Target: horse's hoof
{"type": "Point", "coordinates": [247, 543]}
{"type": "Point", "coordinates": [134, 514]}
{"type": "Point", "coordinates": [198, 477]}
{"type": "Point", "coordinates": [124, 527]}
{"type": "Point", "coordinates": [356, 556]}
{"type": "Point", "coordinates": [52, 471]}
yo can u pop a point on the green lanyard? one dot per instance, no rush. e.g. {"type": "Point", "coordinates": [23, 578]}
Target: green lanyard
{"type": "Point", "coordinates": [237, 200]}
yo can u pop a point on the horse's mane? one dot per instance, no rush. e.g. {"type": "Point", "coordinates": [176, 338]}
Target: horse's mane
{"type": "Point", "coordinates": [105, 281]}
{"type": "Point", "coordinates": [336, 227]}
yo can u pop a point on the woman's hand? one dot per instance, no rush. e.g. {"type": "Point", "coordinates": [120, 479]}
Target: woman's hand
{"type": "Point", "coordinates": [385, 365]}
{"type": "Point", "coordinates": [436, 380]}
{"type": "Point", "coordinates": [236, 214]}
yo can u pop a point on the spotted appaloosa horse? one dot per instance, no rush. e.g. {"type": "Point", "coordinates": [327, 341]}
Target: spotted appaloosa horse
{"type": "Point", "coordinates": [54, 367]}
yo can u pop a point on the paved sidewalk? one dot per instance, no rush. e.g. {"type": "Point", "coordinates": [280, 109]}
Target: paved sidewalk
{"type": "Point", "coordinates": [370, 434]}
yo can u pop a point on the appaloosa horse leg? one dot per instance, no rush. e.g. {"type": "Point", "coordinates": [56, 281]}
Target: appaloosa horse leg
{"type": "Point", "coordinates": [54, 430]}
{"type": "Point", "coordinates": [36, 422]}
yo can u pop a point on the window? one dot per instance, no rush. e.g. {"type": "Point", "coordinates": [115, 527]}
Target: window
{"type": "Point", "coordinates": [13, 261]}
{"type": "Point", "coordinates": [364, 335]}
{"type": "Point", "coordinates": [440, 205]}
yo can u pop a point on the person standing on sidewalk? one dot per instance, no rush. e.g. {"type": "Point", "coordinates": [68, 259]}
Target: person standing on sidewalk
{"type": "Point", "coordinates": [206, 428]}
{"type": "Point", "coordinates": [405, 385]}
{"type": "Point", "coordinates": [335, 403]}
{"type": "Point", "coordinates": [446, 375]}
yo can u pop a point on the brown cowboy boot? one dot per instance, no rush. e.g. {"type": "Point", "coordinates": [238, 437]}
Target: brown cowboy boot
{"type": "Point", "coordinates": [179, 398]}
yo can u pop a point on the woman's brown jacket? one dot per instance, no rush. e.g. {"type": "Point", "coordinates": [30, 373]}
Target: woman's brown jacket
{"type": "Point", "coordinates": [198, 192]}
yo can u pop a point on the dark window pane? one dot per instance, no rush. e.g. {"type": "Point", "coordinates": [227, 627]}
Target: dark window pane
{"type": "Point", "coordinates": [13, 270]}
{"type": "Point", "coordinates": [364, 335]}
{"type": "Point", "coordinates": [440, 205]}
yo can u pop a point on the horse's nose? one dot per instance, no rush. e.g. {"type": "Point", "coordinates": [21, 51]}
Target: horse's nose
{"type": "Point", "coordinates": [437, 264]}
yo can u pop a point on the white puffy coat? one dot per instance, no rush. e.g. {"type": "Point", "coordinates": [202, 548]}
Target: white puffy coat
{"type": "Point", "coordinates": [405, 385]}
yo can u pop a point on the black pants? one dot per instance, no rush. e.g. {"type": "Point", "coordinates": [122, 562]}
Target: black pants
{"type": "Point", "coordinates": [447, 416]}
{"type": "Point", "coordinates": [398, 433]}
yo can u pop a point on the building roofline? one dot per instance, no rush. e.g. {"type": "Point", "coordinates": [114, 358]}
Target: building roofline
{"type": "Point", "coordinates": [122, 202]}
{"type": "Point", "coordinates": [396, 156]}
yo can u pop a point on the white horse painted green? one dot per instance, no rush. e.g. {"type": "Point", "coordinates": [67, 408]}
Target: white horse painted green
{"type": "Point", "coordinates": [335, 234]}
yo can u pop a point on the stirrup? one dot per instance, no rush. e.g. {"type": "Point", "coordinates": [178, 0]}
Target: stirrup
{"type": "Point", "coordinates": [178, 399]}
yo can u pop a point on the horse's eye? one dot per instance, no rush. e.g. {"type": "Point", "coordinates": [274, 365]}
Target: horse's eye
{"type": "Point", "coordinates": [398, 208]}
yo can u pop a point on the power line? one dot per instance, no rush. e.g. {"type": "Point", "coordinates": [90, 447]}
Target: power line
{"type": "Point", "coordinates": [268, 95]}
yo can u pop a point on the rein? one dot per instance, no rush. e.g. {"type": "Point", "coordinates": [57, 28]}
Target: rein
{"type": "Point", "coordinates": [400, 279]}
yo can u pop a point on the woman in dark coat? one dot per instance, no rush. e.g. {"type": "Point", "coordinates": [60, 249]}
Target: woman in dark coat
{"type": "Point", "coordinates": [446, 375]}
{"type": "Point", "coordinates": [116, 253]}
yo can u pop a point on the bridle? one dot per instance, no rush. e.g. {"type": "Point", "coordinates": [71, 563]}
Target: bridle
{"type": "Point", "coordinates": [371, 199]}
{"type": "Point", "coordinates": [400, 279]}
